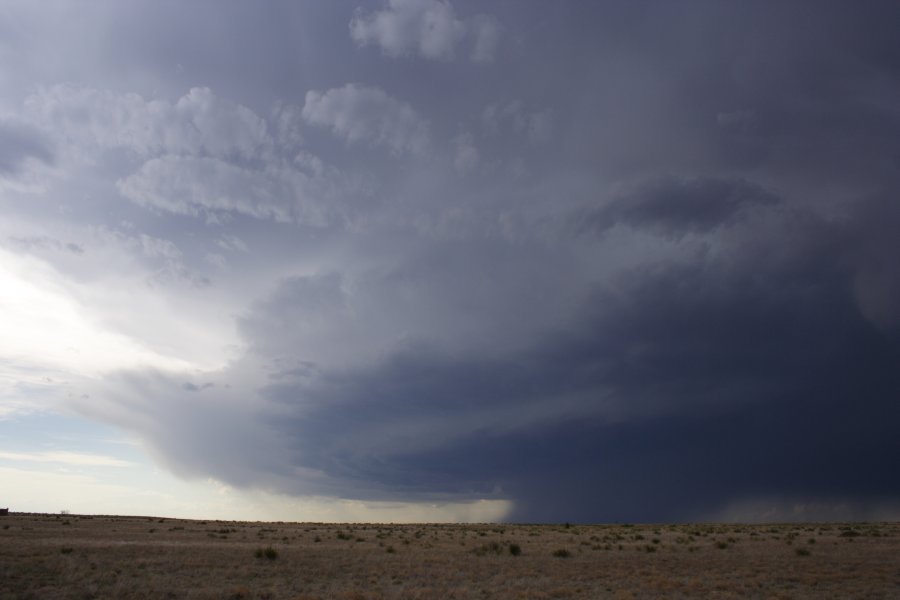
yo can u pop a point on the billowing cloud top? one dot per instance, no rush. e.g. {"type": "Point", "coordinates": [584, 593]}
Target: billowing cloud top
{"type": "Point", "coordinates": [604, 261]}
{"type": "Point", "coordinates": [429, 28]}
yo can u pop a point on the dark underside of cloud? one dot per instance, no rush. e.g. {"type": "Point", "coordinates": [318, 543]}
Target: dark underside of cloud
{"type": "Point", "coordinates": [675, 207]}
{"type": "Point", "coordinates": [676, 389]}
{"type": "Point", "coordinates": [690, 387]}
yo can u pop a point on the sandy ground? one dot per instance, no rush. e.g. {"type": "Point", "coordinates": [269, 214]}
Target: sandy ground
{"type": "Point", "coordinates": [69, 556]}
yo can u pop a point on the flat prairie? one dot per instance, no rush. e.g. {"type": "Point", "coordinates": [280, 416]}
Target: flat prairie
{"type": "Point", "coordinates": [72, 556]}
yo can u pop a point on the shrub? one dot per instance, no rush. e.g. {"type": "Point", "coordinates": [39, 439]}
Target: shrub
{"type": "Point", "coordinates": [562, 553]}
{"type": "Point", "coordinates": [492, 548]}
{"type": "Point", "coordinates": [515, 549]}
{"type": "Point", "coordinates": [268, 552]}
{"type": "Point", "coordinates": [802, 551]}
{"type": "Point", "coordinates": [65, 550]}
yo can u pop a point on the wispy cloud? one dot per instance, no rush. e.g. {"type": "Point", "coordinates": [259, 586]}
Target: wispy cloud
{"type": "Point", "coordinates": [67, 458]}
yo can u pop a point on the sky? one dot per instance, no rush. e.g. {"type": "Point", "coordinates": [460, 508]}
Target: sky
{"type": "Point", "coordinates": [446, 260]}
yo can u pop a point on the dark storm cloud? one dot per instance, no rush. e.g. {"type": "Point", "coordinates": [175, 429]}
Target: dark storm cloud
{"type": "Point", "coordinates": [684, 388]}
{"type": "Point", "coordinates": [676, 389]}
{"type": "Point", "coordinates": [613, 261]}
{"type": "Point", "coordinates": [673, 207]}
{"type": "Point", "coordinates": [780, 86]}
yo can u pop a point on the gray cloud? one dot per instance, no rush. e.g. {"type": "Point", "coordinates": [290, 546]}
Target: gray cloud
{"type": "Point", "coordinates": [645, 249]}
{"type": "Point", "coordinates": [674, 207]}
{"type": "Point", "coordinates": [41, 242]}
{"type": "Point", "coordinates": [20, 143]}
{"type": "Point", "coordinates": [193, 387]}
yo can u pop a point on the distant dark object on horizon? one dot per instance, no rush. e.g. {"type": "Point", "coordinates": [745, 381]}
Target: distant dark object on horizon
{"type": "Point", "coordinates": [4, 512]}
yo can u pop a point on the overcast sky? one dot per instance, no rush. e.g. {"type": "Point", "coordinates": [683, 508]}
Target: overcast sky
{"type": "Point", "coordinates": [451, 260]}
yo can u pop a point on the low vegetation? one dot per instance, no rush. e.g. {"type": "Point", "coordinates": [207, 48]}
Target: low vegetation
{"type": "Point", "coordinates": [75, 556]}
{"type": "Point", "coordinates": [270, 553]}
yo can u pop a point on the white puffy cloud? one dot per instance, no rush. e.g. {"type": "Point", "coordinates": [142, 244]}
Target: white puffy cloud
{"type": "Point", "coordinates": [200, 155]}
{"type": "Point", "coordinates": [368, 114]}
{"type": "Point", "coordinates": [429, 28]}
{"type": "Point", "coordinates": [197, 123]}
{"type": "Point", "coordinates": [288, 125]}
{"type": "Point", "coordinates": [189, 185]}
{"type": "Point", "coordinates": [220, 127]}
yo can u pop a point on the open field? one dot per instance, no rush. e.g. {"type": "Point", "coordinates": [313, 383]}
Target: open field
{"type": "Point", "coordinates": [69, 556]}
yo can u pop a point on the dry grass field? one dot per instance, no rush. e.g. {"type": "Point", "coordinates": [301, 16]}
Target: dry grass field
{"type": "Point", "coordinates": [68, 556]}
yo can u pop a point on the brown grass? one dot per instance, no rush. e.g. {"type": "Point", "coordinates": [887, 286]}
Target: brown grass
{"type": "Point", "coordinates": [69, 556]}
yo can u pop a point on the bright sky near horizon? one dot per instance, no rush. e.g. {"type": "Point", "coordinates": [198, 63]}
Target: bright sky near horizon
{"type": "Point", "coordinates": [447, 260]}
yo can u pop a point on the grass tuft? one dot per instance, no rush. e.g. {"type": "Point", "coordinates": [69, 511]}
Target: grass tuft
{"type": "Point", "coordinates": [268, 552]}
